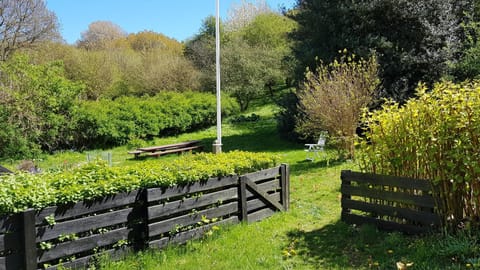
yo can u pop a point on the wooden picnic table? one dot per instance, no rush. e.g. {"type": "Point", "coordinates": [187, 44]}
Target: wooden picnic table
{"type": "Point", "coordinates": [161, 150]}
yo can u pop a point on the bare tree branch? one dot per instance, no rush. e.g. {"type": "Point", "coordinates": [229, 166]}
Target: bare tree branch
{"type": "Point", "coordinates": [23, 23]}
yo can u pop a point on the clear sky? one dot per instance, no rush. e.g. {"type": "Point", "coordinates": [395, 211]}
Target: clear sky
{"type": "Point", "coordinates": [179, 19]}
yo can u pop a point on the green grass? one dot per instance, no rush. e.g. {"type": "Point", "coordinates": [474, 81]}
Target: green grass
{"type": "Point", "coordinates": [309, 236]}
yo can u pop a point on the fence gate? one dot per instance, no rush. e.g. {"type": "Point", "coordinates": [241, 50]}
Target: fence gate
{"type": "Point", "coordinates": [263, 193]}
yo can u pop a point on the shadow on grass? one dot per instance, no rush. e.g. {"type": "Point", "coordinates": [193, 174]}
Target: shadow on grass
{"type": "Point", "coordinates": [305, 166]}
{"type": "Point", "coordinates": [257, 140]}
{"type": "Point", "coordinates": [328, 247]}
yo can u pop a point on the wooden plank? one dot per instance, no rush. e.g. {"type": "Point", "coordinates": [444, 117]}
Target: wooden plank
{"type": "Point", "coordinates": [83, 262]}
{"type": "Point", "coordinates": [11, 241]}
{"type": "Point", "coordinates": [84, 244]}
{"type": "Point", "coordinates": [164, 226]}
{"type": "Point", "coordinates": [285, 185]}
{"type": "Point", "coordinates": [29, 248]}
{"type": "Point", "coordinates": [385, 210]}
{"type": "Point", "coordinates": [422, 201]}
{"type": "Point", "coordinates": [12, 262]}
{"type": "Point", "coordinates": [176, 207]}
{"type": "Point", "coordinates": [85, 208]}
{"type": "Point", "coordinates": [272, 185]}
{"type": "Point", "coordinates": [174, 150]}
{"type": "Point", "coordinates": [264, 196]}
{"type": "Point", "coordinates": [256, 204]}
{"type": "Point", "coordinates": [191, 234]}
{"type": "Point", "coordinates": [46, 233]}
{"type": "Point", "coordinates": [270, 188]}
{"type": "Point", "coordinates": [386, 180]}
{"type": "Point", "coordinates": [168, 146]}
{"type": "Point", "coordinates": [10, 223]}
{"type": "Point", "coordinates": [80, 263]}
{"type": "Point", "coordinates": [155, 194]}
{"type": "Point", "coordinates": [263, 174]}
{"type": "Point", "coordinates": [260, 215]}
{"type": "Point", "coordinates": [347, 183]}
{"type": "Point", "coordinates": [384, 225]}
{"type": "Point", "coordinates": [242, 196]}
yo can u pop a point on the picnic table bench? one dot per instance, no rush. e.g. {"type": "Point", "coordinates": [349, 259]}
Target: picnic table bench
{"type": "Point", "coordinates": [156, 151]}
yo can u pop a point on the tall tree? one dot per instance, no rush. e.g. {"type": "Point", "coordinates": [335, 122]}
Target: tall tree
{"type": "Point", "coordinates": [415, 40]}
{"type": "Point", "coordinates": [148, 41]}
{"type": "Point", "coordinates": [468, 65]}
{"type": "Point", "coordinates": [243, 13]}
{"type": "Point", "coordinates": [253, 57]}
{"type": "Point", "coordinates": [100, 34]}
{"type": "Point", "coordinates": [23, 23]}
{"type": "Point", "coordinates": [201, 51]}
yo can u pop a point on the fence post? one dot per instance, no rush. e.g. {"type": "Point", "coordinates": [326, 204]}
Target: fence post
{"type": "Point", "coordinates": [345, 182]}
{"type": "Point", "coordinates": [242, 199]}
{"type": "Point", "coordinates": [29, 246]}
{"type": "Point", "coordinates": [285, 183]}
{"type": "Point", "coordinates": [138, 220]}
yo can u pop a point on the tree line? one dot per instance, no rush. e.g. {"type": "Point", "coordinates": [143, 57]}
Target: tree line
{"type": "Point", "coordinates": [112, 63]}
{"type": "Point", "coordinates": [262, 50]}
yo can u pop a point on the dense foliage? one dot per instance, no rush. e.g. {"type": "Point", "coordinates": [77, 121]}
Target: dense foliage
{"type": "Point", "coordinates": [41, 110]}
{"type": "Point", "coordinates": [434, 137]}
{"type": "Point", "coordinates": [414, 40]}
{"type": "Point", "coordinates": [135, 65]}
{"type": "Point", "coordinates": [95, 180]}
{"type": "Point", "coordinates": [107, 123]}
{"type": "Point", "coordinates": [468, 67]}
{"type": "Point", "coordinates": [36, 103]}
{"type": "Point", "coordinates": [256, 54]}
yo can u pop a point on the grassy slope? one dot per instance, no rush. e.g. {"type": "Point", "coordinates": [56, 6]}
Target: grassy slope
{"type": "Point", "coordinates": [309, 236]}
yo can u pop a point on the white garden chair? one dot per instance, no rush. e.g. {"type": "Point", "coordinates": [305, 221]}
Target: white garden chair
{"type": "Point", "coordinates": [313, 149]}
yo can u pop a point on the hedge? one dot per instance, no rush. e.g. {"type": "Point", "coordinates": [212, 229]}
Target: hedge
{"type": "Point", "coordinates": [95, 180]}
{"type": "Point", "coordinates": [108, 123]}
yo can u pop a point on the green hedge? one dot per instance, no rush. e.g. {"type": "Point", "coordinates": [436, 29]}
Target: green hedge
{"type": "Point", "coordinates": [94, 180]}
{"type": "Point", "coordinates": [108, 123]}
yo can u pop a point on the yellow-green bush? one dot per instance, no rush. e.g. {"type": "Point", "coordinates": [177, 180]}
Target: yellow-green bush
{"type": "Point", "coordinates": [95, 180]}
{"type": "Point", "coordinates": [435, 137]}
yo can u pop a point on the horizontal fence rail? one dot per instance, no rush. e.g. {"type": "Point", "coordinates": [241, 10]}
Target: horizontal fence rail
{"type": "Point", "coordinates": [74, 235]}
{"type": "Point", "coordinates": [389, 202]}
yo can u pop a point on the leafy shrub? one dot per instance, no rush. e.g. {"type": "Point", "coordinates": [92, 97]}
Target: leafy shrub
{"type": "Point", "coordinates": [106, 122]}
{"type": "Point", "coordinates": [36, 102]}
{"type": "Point", "coordinates": [94, 180]}
{"type": "Point", "coordinates": [435, 137]}
{"type": "Point", "coordinates": [334, 95]}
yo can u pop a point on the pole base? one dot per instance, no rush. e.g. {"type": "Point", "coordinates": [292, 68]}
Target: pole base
{"type": "Point", "coordinates": [216, 148]}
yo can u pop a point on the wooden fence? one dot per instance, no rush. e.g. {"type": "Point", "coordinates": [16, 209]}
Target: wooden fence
{"type": "Point", "coordinates": [390, 203]}
{"type": "Point", "coordinates": [74, 235]}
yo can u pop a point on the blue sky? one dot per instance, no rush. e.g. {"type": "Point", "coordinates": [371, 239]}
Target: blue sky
{"type": "Point", "coordinates": [179, 19]}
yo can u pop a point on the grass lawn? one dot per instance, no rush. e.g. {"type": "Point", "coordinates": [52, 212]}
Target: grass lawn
{"type": "Point", "coordinates": [309, 236]}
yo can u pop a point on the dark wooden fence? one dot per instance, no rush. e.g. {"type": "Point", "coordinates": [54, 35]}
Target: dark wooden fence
{"type": "Point", "coordinates": [74, 235]}
{"type": "Point", "coordinates": [390, 203]}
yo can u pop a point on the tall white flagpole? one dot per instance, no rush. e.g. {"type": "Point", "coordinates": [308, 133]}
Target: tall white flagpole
{"type": "Point", "coordinates": [217, 145]}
